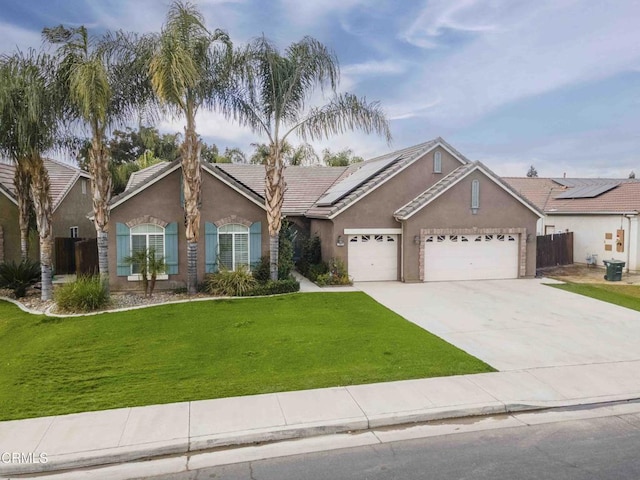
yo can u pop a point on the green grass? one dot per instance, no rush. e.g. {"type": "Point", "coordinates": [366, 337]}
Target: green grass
{"type": "Point", "coordinates": [623, 295]}
{"type": "Point", "coordinates": [211, 349]}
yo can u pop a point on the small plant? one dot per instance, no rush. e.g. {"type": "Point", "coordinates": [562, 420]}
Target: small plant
{"type": "Point", "coordinates": [19, 276]}
{"type": "Point", "coordinates": [311, 255]}
{"type": "Point", "coordinates": [316, 270]}
{"type": "Point", "coordinates": [149, 266]}
{"type": "Point", "coordinates": [230, 283]}
{"type": "Point", "coordinates": [336, 275]}
{"type": "Point", "coordinates": [86, 294]}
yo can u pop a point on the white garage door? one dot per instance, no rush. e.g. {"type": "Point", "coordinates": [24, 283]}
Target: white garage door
{"type": "Point", "coordinates": [470, 257]}
{"type": "Point", "coordinates": [373, 257]}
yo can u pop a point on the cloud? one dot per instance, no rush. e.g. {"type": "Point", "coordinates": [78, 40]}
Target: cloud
{"type": "Point", "coordinates": [532, 49]}
{"type": "Point", "coordinates": [13, 37]}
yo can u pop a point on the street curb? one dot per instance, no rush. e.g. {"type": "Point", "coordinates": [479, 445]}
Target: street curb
{"type": "Point", "coordinates": [180, 446]}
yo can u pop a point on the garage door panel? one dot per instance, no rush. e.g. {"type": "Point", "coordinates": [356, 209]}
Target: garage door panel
{"type": "Point", "coordinates": [373, 257]}
{"type": "Point", "coordinates": [471, 257]}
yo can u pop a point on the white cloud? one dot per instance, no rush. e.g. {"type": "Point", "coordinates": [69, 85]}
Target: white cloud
{"type": "Point", "coordinates": [535, 48]}
{"type": "Point", "coordinates": [374, 67]}
{"type": "Point", "coordinates": [12, 37]}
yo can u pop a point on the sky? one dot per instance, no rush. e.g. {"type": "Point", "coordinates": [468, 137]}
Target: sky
{"type": "Point", "coordinates": [512, 83]}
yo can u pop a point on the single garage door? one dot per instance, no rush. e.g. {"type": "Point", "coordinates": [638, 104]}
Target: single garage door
{"type": "Point", "coordinates": [470, 257]}
{"type": "Point", "coordinates": [373, 257]}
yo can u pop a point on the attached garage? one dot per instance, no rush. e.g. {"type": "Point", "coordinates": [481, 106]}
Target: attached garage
{"type": "Point", "coordinates": [373, 257]}
{"type": "Point", "coordinates": [471, 257]}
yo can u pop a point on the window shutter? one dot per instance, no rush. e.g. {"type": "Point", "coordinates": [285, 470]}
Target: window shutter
{"type": "Point", "coordinates": [210, 247]}
{"type": "Point", "coordinates": [171, 248]}
{"type": "Point", "coordinates": [255, 243]}
{"type": "Point", "coordinates": [123, 249]}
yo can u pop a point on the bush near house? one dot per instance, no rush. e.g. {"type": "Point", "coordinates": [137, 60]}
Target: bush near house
{"type": "Point", "coordinates": [86, 294]}
{"type": "Point", "coordinates": [19, 276]}
{"type": "Point", "coordinates": [333, 272]}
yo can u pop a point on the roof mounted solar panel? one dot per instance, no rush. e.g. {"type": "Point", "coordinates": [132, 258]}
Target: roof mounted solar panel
{"type": "Point", "coordinates": [587, 191]}
{"type": "Point", "coordinates": [363, 174]}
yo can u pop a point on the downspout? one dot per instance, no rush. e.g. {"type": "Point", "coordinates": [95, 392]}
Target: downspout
{"type": "Point", "coordinates": [628, 241]}
{"type": "Point", "coordinates": [402, 251]}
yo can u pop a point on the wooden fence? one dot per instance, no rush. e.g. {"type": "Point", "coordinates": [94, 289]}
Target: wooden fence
{"type": "Point", "coordinates": [555, 249]}
{"type": "Point", "coordinates": [65, 260]}
{"type": "Point", "coordinates": [86, 254]}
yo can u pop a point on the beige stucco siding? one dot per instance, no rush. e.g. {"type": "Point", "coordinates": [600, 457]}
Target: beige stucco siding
{"type": "Point", "coordinates": [452, 210]}
{"type": "Point", "coordinates": [375, 210]}
{"type": "Point", "coordinates": [323, 229]}
{"type": "Point", "coordinates": [73, 212]}
{"type": "Point", "coordinates": [10, 245]}
{"type": "Point", "coordinates": [220, 203]}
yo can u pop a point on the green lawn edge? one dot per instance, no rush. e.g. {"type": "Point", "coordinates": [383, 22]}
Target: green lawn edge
{"type": "Point", "coordinates": [606, 293]}
{"type": "Point", "coordinates": [202, 350]}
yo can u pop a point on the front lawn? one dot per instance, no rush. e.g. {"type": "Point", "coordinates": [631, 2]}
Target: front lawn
{"type": "Point", "coordinates": [211, 349]}
{"type": "Point", "coordinates": [623, 295]}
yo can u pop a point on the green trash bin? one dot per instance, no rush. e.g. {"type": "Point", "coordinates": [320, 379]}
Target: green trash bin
{"type": "Point", "coordinates": [614, 270]}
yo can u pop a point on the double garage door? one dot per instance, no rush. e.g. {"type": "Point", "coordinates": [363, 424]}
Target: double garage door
{"type": "Point", "coordinates": [470, 257]}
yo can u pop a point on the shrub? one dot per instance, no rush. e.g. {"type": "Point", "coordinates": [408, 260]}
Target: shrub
{"type": "Point", "coordinates": [288, 285]}
{"type": "Point", "coordinates": [316, 270]}
{"type": "Point", "coordinates": [285, 250]}
{"type": "Point", "coordinates": [336, 274]}
{"type": "Point", "coordinates": [261, 270]}
{"type": "Point", "coordinates": [230, 283]}
{"type": "Point", "coordinates": [149, 266]}
{"type": "Point", "coordinates": [311, 255]}
{"type": "Point", "coordinates": [19, 276]}
{"type": "Point", "coordinates": [86, 294]}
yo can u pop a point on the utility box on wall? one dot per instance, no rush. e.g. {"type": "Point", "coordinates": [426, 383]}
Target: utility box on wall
{"type": "Point", "coordinates": [620, 241]}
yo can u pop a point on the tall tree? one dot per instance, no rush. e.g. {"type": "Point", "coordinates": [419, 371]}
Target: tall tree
{"type": "Point", "coordinates": [340, 159]}
{"type": "Point", "coordinates": [188, 71]}
{"type": "Point", "coordinates": [532, 172]}
{"type": "Point", "coordinates": [275, 102]}
{"type": "Point", "coordinates": [104, 86]}
{"type": "Point", "coordinates": [29, 123]}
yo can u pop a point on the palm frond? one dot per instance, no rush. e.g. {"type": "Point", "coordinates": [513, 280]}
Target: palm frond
{"type": "Point", "coordinates": [344, 113]}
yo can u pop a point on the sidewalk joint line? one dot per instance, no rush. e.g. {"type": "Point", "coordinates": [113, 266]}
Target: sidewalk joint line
{"type": "Point", "coordinates": [125, 427]}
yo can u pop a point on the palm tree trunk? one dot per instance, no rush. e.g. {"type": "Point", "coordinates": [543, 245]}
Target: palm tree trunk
{"type": "Point", "coordinates": [192, 186]}
{"type": "Point", "coordinates": [101, 193]}
{"type": "Point", "coordinates": [22, 183]}
{"type": "Point", "coordinates": [274, 192]}
{"type": "Point", "coordinates": [40, 192]}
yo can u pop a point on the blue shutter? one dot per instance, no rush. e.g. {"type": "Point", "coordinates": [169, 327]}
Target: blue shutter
{"type": "Point", "coordinates": [171, 248]}
{"type": "Point", "coordinates": [123, 249]}
{"type": "Point", "coordinates": [210, 247]}
{"type": "Point", "coordinates": [255, 243]}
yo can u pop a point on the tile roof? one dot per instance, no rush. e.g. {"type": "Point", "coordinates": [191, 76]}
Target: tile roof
{"type": "Point", "coordinates": [140, 176]}
{"type": "Point", "coordinates": [62, 178]}
{"type": "Point", "coordinates": [543, 192]}
{"type": "Point", "coordinates": [304, 184]}
{"type": "Point", "coordinates": [401, 159]}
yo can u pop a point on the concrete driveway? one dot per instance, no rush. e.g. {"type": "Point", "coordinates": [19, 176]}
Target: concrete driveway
{"type": "Point", "coordinates": [516, 324]}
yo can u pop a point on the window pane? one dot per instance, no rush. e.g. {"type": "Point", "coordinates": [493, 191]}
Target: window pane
{"type": "Point", "coordinates": [241, 249]}
{"type": "Point", "coordinates": [225, 243]}
{"type": "Point", "coordinates": [156, 242]}
{"type": "Point", "coordinates": [138, 244]}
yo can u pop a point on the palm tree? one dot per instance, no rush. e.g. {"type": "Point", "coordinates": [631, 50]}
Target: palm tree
{"type": "Point", "coordinates": [29, 109]}
{"type": "Point", "coordinates": [274, 101]}
{"type": "Point", "coordinates": [187, 70]}
{"type": "Point", "coordinates": [103, 87]}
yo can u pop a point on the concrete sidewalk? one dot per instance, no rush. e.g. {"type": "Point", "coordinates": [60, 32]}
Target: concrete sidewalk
{"type": "Point", "coordinates": [126, 434]}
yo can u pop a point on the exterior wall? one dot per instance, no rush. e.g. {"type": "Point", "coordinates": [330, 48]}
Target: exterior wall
{"type": "Point", "coordinates": [324, 230]}
{"type": "Point", "coordinates": [73, 212]}
{"type": "Point", "coordinates": [452, 212]}
{"type": "Point", "coordinates": [589, 236]}
{"type": "Point", "coordinates": [10, 246]}
{"type": "Point", "coordinates": [376, 209]}
{"type": "Point", "coordinates": [220, 204]}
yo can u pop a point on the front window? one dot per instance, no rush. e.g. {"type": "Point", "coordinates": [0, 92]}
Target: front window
{"type": "Point", "coordinates": [144, 238]}
{"type": "Point", "coordinates": [233, 246]}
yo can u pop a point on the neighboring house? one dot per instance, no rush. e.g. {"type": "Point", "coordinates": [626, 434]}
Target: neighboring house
{"type": "Point", "coordinates": [71, 201]}
{"type": "Point", "coordinates": [424, 213]}
{"type": "Point", "coordinates": [602, 214]}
